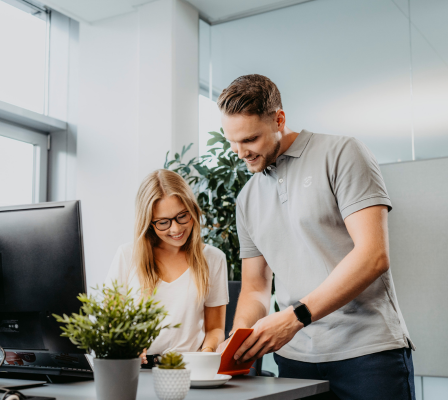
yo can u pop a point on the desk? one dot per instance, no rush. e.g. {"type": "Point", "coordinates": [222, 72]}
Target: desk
{"type": "Point", "coordinates": [238, 388]}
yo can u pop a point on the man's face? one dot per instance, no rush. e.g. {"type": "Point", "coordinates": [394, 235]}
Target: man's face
{"type": "Point", "coordinates": [256, 140]}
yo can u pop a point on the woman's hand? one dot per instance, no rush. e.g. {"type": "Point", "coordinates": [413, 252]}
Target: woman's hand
{"type": "Point", "coordinates": [207, 350]}
{"type": "Point", "coordinates": [143, 357]}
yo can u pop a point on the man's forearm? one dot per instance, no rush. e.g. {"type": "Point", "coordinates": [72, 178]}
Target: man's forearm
{"type": "Point", "coordinates": [251, 307]}
{"type": "Point", "coordinates": [357, 271]}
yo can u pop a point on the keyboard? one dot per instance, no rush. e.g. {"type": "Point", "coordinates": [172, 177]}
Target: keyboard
{"type": "Point", "coordinates": [48, 370]}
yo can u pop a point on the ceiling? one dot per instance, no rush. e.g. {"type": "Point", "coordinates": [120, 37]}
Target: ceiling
{"type": "Point", "coordinates": [212, 11]}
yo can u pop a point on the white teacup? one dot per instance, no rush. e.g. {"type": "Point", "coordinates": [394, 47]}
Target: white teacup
{"type": "Point", "coordinates": [203, 366]}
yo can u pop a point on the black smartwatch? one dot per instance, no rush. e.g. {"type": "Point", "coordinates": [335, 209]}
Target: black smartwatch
{"type": "Point", "coordinates": [302, 313]}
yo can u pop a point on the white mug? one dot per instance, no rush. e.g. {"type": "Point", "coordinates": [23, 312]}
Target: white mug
{"type": "Point", "coordinates": [203, 365]}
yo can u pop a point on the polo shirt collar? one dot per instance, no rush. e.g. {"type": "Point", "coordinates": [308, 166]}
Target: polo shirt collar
{"type": "Point", "coordinates": [298, 146]}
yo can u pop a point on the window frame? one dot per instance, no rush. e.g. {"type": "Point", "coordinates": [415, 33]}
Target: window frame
{"type": "Point", "coordinates": [56, 180]}
{"type": "Point", "coordinates": [39, 141]}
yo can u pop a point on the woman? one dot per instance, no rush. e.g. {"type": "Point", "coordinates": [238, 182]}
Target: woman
{"type": "Point", "coordinates": [168, 253]}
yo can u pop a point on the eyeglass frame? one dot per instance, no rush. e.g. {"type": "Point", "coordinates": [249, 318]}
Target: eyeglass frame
{"type": "Point", "coordinates": [171, 220]}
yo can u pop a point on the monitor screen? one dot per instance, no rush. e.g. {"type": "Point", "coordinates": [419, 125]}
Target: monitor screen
{"type": "Point", "coordinates": [41, 273]}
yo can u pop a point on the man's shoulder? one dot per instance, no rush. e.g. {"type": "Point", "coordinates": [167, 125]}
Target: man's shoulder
{"type": "Point", "coordinates": [334, 148]}
{"type": "Point", "coordinates": [329, 141]}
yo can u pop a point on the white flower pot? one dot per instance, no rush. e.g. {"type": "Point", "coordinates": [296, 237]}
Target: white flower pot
{"type": "Point", "coordinates": [171, 384]}
{"type": "Point", "coordinates": [116, 379]}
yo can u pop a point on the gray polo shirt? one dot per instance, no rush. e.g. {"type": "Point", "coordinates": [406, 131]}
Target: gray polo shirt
{"type": "Point", "coordinates": [293, 214]}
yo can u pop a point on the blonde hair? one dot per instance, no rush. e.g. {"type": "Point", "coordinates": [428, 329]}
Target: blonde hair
{"type": "Point", "coordinates": [154, 187]}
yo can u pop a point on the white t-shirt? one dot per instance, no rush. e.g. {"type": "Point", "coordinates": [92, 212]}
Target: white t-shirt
{"type": "Point", "coordinates": [178, 297]}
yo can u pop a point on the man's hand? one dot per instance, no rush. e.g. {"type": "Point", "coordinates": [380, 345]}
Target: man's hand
{"type": "Point", "coordinates": [270, 334]}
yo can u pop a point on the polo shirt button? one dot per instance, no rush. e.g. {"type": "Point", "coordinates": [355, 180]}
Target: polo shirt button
{"type": "Point", "coordinates": [269, 168]}
{"type": "Point", "coordinates": [280, 180]}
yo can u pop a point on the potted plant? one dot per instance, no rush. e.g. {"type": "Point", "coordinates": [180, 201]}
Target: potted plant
{"type": "Point", "coordinates": [117, 328]}
{"type": "Point", "coordinates": [171, 378]}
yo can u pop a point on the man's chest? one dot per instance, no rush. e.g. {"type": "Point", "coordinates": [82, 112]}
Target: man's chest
{"type": "Point", "coordinates": [292, 195]}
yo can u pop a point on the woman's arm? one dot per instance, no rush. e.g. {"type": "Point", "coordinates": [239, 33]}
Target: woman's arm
{"type": "Point", "coordinates": [214, 322]}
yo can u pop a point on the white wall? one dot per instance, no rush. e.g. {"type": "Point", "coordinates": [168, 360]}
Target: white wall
{"type": "Point", "coordinates": [138, 99]}
{"type": "Point", "coordinates": [107, 162]}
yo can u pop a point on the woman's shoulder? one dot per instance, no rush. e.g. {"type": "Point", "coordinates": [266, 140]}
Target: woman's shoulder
{"type": "Point", "coordinates": [124, 254]}
{"type": "Point", "coordinates": [126, 249]}
{"type": "Point", "coordinates": [121, 265]}
{"type": "Point", "coordinates": [213, 255]}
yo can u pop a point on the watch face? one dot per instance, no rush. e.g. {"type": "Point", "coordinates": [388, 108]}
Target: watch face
{"type": "Point", "coordinates": [2, 356]}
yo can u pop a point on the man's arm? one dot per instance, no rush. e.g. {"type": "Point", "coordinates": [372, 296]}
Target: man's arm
{"type": "Point", "coordinates": [255, 297]}
{"type": "Point", "coordinates": [368, 260]}
{"type": "Point", "coordinates": [360, 268]}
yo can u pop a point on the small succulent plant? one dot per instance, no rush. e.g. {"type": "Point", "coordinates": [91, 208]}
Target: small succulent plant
{"type": "Point", "coordinates": [171, 360]}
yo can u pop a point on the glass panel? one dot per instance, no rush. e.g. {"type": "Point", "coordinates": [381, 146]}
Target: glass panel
{"type": "Point", "coordinates": [430, 77]}
{"type": "Point", "coordinates": [22, 66]}
{"type": "Point", "coordinates": [209, 120]}
{"type": "Point", "coordinates": [16, 172]}
{"type": "Point", "coordinates": [204, 58]}
{"type": "Point", "coordinates": [342, 67]}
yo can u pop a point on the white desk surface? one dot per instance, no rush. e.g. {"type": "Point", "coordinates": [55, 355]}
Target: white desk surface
{"type": "Point", "coordinates": [238, 388]}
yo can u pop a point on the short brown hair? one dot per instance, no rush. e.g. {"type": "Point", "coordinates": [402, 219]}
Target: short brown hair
{"type": "Point", "coordinates": [250, 95]}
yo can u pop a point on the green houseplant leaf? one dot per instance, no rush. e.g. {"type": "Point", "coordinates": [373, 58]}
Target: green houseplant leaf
{"type": "Point", "coordinates": [113, 324]}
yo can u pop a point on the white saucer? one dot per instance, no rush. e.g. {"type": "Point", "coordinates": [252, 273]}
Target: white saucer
{"type": "Point", "coordinates": [211, 383]}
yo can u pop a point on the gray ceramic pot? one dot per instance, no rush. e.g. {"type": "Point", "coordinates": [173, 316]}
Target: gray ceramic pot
{"type": "Point", "coordinates": [116, 379]}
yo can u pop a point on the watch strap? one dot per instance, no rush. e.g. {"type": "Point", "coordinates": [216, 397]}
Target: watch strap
{"type": "Point", "coordinates": [302, 313]}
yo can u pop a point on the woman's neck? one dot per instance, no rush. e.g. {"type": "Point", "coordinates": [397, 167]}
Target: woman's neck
{"type": "Point", "coordinates": [168, 249]}
{"type": "Point", "coordinates": [171, 262]}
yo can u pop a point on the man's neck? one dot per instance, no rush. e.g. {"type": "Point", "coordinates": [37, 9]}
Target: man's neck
{"type": "Point", "coordinates": [288, 138]}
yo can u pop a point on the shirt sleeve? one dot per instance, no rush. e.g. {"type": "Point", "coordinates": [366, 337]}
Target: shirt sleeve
{"type": "Point", "coordinates": [118, 271]}
{"type": "Point", "coordinates": [247, 246]}
{"type": "Point", "coordinates": [357, 180]}
{"type": "Point", "coordinates": [218, 294]}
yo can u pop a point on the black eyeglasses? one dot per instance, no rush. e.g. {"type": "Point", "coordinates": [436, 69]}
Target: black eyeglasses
{"type": "Point", "coordinates": [182, 218]}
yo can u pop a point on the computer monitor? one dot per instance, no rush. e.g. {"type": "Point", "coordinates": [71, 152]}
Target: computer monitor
{"type": "Point", "coordinates": [41, 274]}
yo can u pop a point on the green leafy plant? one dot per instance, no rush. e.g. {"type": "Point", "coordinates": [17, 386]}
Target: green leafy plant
{"type": "Point", "coordinates": [216, 188]}
{"type": "Point", "coordinates": [171, 360]}
{"type": "Point", "coordinates": [114, 325]}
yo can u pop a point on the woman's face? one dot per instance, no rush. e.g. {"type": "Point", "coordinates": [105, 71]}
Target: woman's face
{"type": "Point", "coordinates": [177, 234]}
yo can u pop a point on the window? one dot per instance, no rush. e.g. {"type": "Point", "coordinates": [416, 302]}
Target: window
{"type": "Point", "coordinates": [23, 165]}
{"type": "Point", "coordinates": [16, 164]}
{"type": "Point", "coordinates": [209, 120]}
{"type": "Point", "coordinates": [23, 40]}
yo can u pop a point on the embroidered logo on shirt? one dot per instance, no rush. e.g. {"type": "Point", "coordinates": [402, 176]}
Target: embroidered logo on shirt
{"type": "Point", "coordinates": [307, 181]}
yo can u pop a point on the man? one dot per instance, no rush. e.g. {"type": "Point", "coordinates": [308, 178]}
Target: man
{"type": "Point", "coordinates": [315, 214]}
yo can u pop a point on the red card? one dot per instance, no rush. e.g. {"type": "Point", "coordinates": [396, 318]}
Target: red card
{"type": "Point", "coordinates": [228, 363]}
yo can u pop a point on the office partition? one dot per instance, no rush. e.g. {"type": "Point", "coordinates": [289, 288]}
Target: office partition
{"type": "Point", "coordinates": [418, 229]}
